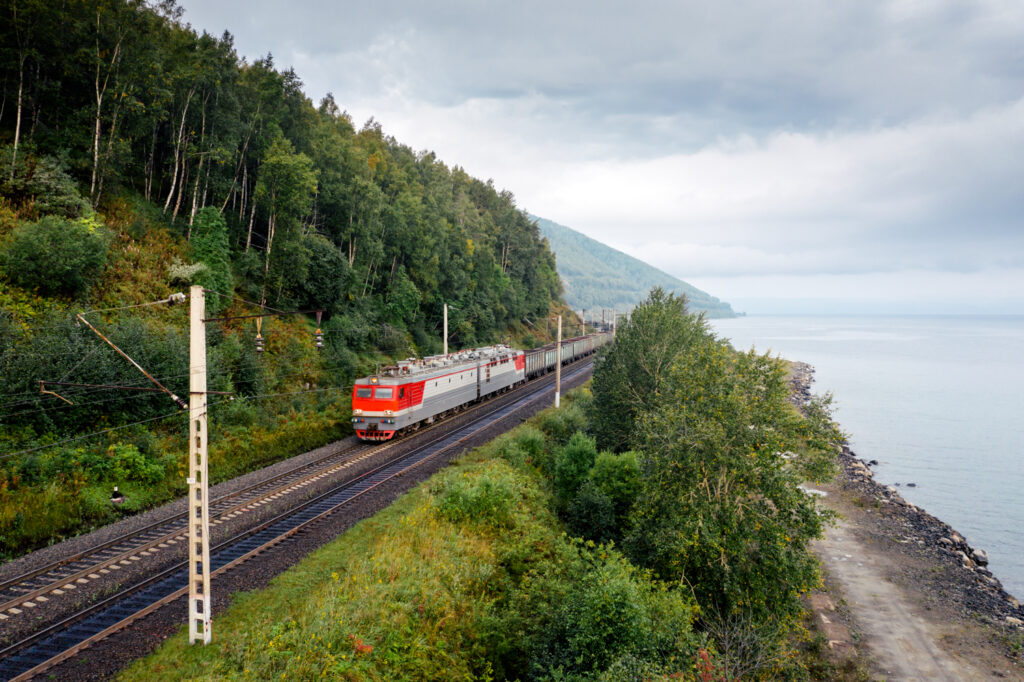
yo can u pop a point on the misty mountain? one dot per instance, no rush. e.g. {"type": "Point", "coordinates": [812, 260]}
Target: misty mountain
{"type": "Point", "coordinates": [597, 276]}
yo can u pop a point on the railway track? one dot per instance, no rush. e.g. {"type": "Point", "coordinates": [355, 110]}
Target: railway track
{"type": "Point", "coordinates": [31, 588]}
{"type": "Point", "coordinates": [62, 640]}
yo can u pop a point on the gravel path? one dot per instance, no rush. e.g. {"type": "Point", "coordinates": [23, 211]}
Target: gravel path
{"type": "Point", "coordinates": [902, 644]}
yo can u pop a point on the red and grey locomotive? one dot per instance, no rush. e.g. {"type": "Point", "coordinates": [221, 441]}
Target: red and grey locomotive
{"type": "Point", "coordinates": [419, 391]}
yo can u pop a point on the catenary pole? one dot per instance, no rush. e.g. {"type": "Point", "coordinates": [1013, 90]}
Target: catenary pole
{"type": "Point", "coordinates": [199, 596]}
{"type": "Point", "coordinates": [558, 365]}
{"type": "Point", "coordinates": [446, 329]}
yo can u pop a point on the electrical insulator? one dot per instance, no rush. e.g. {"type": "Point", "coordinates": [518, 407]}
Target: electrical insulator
{"type": "Point", "coordinates": [318, 339]}
{"type": "Point", "coordinates": [259, 343]}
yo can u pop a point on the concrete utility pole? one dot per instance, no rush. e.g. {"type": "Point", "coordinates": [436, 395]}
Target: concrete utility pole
{"type": "Point", "coordinates": [615, 321]}
{"type": "Point", "coordinates": [199, 595]}
{"type": "Point", "coordinates": [446, 329]}
{"type": "Point", "coordinates": [558, 365]}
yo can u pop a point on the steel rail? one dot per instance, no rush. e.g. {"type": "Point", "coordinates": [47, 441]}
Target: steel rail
{"type": "Point", "coordinates": [252, 491]}
{"type": "Point", "coordinates": [333, 500]}
{"type": "Point", "coordinates": [167, 528]}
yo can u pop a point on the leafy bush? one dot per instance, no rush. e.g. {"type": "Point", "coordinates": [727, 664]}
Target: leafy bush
{"type": "Point", "coordinates": [327, 276]}
{"type": "Point", "coordinates": [618, 477]}
{"type": "Point", "coordinates": [55, 255]}
{"type": "Point", "coordinates": [482, 500]}
{"type": "Point", "coordinates": [572, 464]}
{"type": "Point", "coordinates": [560, 425]}
{"type": "Point", "coordinates": [591, 515]}
{"type": "Point", "coordinates": [392, 340]}
{"type": "Point", "coordinates": [128, 464]}
{"type": "Point", "coordinates": [40, 185]}
{"type": "Point", "coordinates": [531, 441]}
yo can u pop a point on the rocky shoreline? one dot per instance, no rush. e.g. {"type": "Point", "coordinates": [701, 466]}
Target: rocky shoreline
{"type": "Point", "coordinates": [959, 578]}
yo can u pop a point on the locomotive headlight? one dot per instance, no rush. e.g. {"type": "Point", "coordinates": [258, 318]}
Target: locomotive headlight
{"type": "Point", "coordinates": [357, 411]}
{"type": "Point", "coordinates": [388, 412]}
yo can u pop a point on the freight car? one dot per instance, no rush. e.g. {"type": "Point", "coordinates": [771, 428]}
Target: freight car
{"type": "Point", "coordinates": [414, 392]}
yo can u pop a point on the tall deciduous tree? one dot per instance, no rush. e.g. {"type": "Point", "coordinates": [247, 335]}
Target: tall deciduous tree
{"type": "Point", "coordinates": [631, 378]}
{"type": "Point", "coordinates": [286, 186]}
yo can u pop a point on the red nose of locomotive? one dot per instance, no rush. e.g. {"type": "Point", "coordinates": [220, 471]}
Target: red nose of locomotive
{"type": "Point", "coordinates": [373, 407]}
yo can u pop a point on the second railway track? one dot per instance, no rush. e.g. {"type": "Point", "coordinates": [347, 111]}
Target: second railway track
{"type": "Point", "coordinates": [63, 639]}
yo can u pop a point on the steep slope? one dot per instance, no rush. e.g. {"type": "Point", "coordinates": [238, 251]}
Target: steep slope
{"type": "Point", "coordinates": [597, 276]}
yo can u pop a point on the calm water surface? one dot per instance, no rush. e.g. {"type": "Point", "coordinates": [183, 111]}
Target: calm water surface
{"type": "Point", "coordinates": [938, 401]}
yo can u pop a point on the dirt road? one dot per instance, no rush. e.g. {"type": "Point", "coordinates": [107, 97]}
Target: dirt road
{"type": "Point", "coordinates": [903, 629]}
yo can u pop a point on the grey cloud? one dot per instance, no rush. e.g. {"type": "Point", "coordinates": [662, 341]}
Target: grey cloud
{"type": "Point", "coordinates": [739, 139]}
{"type": "Point", "coordinates": [750, 65]}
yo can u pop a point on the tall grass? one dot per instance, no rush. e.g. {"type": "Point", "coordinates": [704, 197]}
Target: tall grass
{"type": "Point", "coordinates": [469, 576]}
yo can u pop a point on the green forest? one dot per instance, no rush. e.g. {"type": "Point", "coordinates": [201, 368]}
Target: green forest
{"type": "Point", "coordinates": [138, 157]}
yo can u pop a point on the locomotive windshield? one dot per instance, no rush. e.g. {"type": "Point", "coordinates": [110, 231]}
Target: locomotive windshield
{"type": "Point", "coordinates": [385, 393]}
{"type": "Point", "coordinates": [364, 392]}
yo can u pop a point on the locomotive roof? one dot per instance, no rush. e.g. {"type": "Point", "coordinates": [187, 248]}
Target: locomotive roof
{"type": "Point", "coordinates": [438, 365]}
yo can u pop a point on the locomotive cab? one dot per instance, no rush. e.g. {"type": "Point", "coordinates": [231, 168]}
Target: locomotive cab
{"type": "Point", "coordinates": [374, 406]}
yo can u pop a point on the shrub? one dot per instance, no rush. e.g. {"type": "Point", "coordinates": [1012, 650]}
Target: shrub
{"type": "Point", "coordinates": [613, 611]}
{"type": "Point", "coordinates": [483, 500]}
{"type": "Point", "coordinates": [591, 515]}
{"type": "Point", "coordinates": [392, 340]}
{"type": "Point", "coordinates": [572, 464]}
{"type": "Point", "coordinates": [128, 464]}
{"type": "Point", "coordinates": [40, 185]}
{"type": "Point", "coordinates": [210, 247]}
{"type": "Point", "coordinates": [618, 477]}
{"type": "Point", "coordinates": [530, 441]}
{"type": "Point", "coordinates": [327, 277]}
{"type": "Point", "coordinates": [55, 255]}
{"type": "Point", "coordinates": [559, 425]}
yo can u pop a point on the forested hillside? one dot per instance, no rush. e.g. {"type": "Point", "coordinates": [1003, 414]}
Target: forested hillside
{"type": "Point", "coordinates": [597, 276]}
{"type": "Point", "coordinates": [138, 157]}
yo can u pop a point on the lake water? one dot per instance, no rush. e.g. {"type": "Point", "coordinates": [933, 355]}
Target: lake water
{"type": "Point", "coordinates": [938, 401]}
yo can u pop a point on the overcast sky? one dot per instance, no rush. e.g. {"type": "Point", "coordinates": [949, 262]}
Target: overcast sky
{"type": "Point", "coordinates": [840, 156]}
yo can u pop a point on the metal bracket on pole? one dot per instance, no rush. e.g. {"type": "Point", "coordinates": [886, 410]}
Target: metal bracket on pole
{"type": "Point", "coordinates": [199, 595]}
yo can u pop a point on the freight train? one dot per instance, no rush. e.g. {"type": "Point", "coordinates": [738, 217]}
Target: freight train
{"type": "Point", "coordinates": [415, 392]}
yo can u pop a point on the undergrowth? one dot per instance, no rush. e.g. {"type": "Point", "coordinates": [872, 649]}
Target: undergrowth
{"type": "Point", "coordinates": [469, 576]}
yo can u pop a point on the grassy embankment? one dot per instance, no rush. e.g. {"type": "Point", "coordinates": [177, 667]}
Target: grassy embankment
{"type": "Point", "coordinates": [470, 576]}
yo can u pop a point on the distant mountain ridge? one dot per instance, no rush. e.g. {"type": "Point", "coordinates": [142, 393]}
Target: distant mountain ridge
{"type": "Point", "coordinates": [597, 276]}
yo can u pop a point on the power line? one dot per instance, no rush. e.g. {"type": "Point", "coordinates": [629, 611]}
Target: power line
{"type": "Point", "coordinates": [79, 394]}
{"type": "Point", "coordinates": [88, 435]}
{"type": "Point", "coordinates": [172, 299]}
{"type": "Point", "coordinates": [166, 416]}
{"type": "Point", "coordinates": [242, 300]}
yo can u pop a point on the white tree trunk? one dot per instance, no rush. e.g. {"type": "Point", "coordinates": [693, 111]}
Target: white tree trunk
{"type": "Point", "coordinates": [252, 217]}
{"type": "Point", "coordinates": [177, 151]}
{"type": "Point", "coordinates": [101, 91]}
{"type": "Point", "coordinates": [17, 123]}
